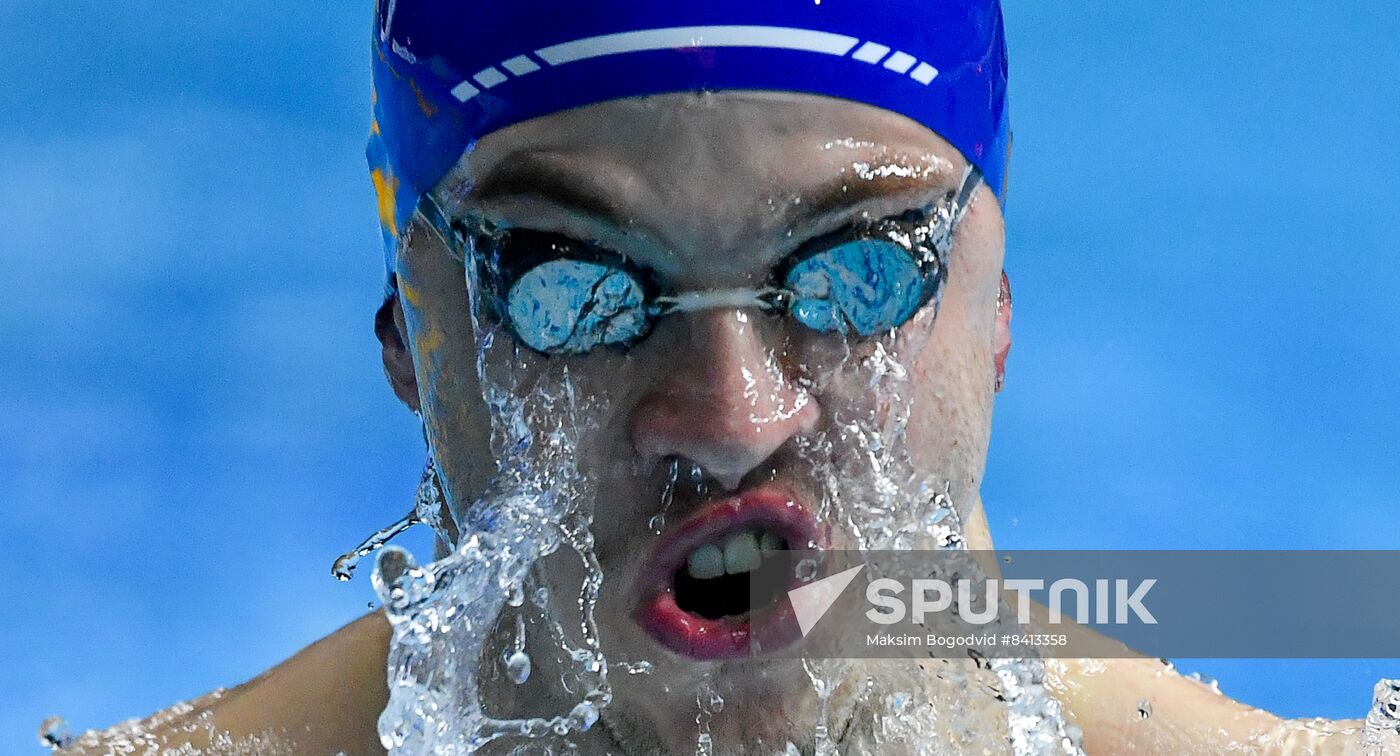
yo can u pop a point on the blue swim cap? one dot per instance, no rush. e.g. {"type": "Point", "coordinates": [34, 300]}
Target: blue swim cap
{"type": "Point", "coordinates": [447, 72]}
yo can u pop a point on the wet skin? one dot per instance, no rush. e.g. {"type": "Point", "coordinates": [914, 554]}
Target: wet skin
{"type": "Point", "coordinates": [710, 191]}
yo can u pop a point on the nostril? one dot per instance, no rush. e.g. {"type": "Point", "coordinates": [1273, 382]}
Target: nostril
{"type": "Point", "coordinates": [679, 473]}
{"type": "Point", "coordinates": [710, 446]}
{"type": "Point", "coordinates": [687, 474]}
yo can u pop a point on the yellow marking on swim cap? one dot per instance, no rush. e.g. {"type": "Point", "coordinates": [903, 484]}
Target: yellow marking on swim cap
{"type": "Point", "coordinates": [388, 63]}
{"type": "Point", "coordinates": [428, 342]}
{"type": "Point", "coordinates": [386, 188]}
{"type": "Point", "coordinates": [428, 108]}
{"type": "Point", "coordinates": [374, 127]}
{"type": "Point", "coordinates": [409, 293]}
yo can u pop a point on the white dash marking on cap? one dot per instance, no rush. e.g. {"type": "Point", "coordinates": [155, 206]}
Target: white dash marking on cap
{"type": "Point", "coordinates": [871, 52]}
{"type": "Point", "coordinates": [489, 77]}
{"type": "Point", "coordinates": [901, 62]}
{"type": "Point", "coordinates": [465, 91]}
{"type": "Point", "coordinates": [684, 37]}
{"type": "Point", "coordinates": [521, 65]}
{"type": "Point", "coordinates": [923, 73]}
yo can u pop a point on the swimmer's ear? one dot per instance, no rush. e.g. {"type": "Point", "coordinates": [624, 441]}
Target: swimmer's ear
{"type": "Point", "coordinates": [1001, 347]}
{"type": "Point", "coordinates": [398, 361]}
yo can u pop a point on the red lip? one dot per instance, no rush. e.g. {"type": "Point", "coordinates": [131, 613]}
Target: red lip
{"type": "Point", "coordinates": [702, 639]}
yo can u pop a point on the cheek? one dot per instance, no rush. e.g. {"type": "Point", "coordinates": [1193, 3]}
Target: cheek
{"type": "Point", "coordinates": [952, 378]}
{"type": "Point", "coordinates": [583, 401]}
{"type": "Point", "coordinates": [950, 418]}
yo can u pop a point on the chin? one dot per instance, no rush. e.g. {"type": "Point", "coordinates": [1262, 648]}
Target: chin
{"type": "Point", "coordinates": [751, 706]}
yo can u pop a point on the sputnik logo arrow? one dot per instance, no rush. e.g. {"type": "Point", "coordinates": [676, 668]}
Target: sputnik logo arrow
{"type": "Point", "coordinates": [811, 602]}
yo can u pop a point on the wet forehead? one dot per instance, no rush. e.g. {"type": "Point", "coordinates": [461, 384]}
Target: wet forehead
{"type": "Point", "coordinates": [672, 176]}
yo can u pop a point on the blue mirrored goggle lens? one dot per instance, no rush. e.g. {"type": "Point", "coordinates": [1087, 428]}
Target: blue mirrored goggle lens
{"type": "Point", "coordinates": [572, 306]}
{"type": "Point", "coordinates": [865, 287]}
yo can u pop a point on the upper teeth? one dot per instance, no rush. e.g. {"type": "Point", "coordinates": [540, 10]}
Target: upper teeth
{"type": "Point", "coordinates": [741, 553]}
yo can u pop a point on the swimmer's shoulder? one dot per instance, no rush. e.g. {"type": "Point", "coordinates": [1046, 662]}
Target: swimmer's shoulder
{"type": "Point", "coordinates": [325, 699]}
{"type": "Point", "coordinates": [1145, 706]}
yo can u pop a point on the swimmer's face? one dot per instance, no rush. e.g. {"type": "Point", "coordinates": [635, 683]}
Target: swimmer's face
{"type": "Point", "coordinates": [710, 192]}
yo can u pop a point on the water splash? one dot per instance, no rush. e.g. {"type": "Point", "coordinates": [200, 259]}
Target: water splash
{"type": "Point", "coordinates": [668, 496]}
{"type": "Point", "coordinates": [168, 733]}
{"type": "Point", "coordinates": [344, 567]}
{"type": "Point", "coordinates": [443, 615]}
{"type": "Point", "coordinates": [427, 509]}
{"type": "Point", "coordinates": [708, 703]}
{"type": "Point", "coordinates": [824, 675]}
{"type": "Point", "coordinates": [1381, 734]}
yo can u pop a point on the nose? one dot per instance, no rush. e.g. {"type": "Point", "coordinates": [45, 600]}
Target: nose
{"type": "Point", "coordinates": [724, 404]}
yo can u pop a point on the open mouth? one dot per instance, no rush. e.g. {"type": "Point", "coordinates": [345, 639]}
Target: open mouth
{"type": "Point", "coordinates": [747, 574]}
{"type": "Point", "coordinates": [715, 588]}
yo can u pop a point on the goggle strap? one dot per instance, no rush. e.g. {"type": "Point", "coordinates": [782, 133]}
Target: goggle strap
{"type": "Point", "coordinates": [972, 178]}
{"type": "Point", "coordinates": [432, 212]}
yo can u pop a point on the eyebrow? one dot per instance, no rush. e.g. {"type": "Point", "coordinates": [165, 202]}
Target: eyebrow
{"type": "Point", "coordinates": [843, 195]}
{"type": "Point", "coordinates": [555, 179]}
{"type": "Point", "coordinates": [565, 182]}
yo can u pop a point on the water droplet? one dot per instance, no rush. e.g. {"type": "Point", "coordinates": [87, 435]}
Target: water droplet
{"type": "Point", "coordinates": [636, 668]}
{"type": "Point", "coordinates": [1144, 709]}
{"type": "Point", "coordinates": [1206, 680]}
{"type": "Point", "coordinates": [584, 716]}
{"type": "Point", "coordinates": [54, 733]}
{"type": "Point", "coordinates": [344, 567]}
{"type": "Point", "coordinates": [518, 667]}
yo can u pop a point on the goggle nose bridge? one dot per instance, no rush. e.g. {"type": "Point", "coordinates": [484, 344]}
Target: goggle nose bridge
{"type": "Point", "coordinates": [767, 299]}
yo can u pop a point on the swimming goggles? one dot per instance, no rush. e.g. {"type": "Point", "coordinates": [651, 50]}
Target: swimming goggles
{"type": "Point", "coordinates": [561, 296]}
